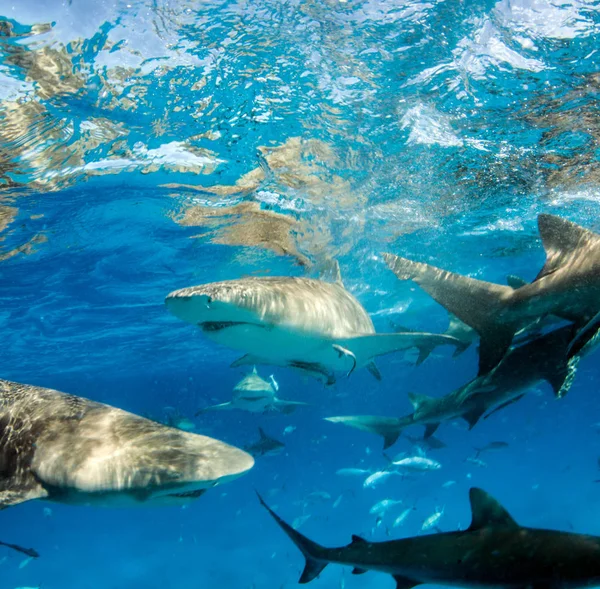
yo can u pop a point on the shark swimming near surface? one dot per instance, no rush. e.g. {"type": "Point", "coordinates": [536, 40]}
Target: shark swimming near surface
{"type": "Point", "coordinates": [495, 552]}
{"type": "Point", "coordinates": [568, 286]}
{"type": "Point", "coordinates": [543, 359]}
{"type": "Point", "coordinates": [27, 551]}
{"type": "Point", "coordinates": [255, 395]}
{"type": "Point", "coordinates": [311, 325]}
{"type": "Point", "coordinates": [68, 449]}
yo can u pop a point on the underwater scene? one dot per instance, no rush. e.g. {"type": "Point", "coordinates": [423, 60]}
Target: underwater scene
{"type": "Point", "coordinates": [298, 291]}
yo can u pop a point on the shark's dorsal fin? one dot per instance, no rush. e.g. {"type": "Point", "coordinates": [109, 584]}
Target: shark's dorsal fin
{"type": "Point", "coordinates": [254, 371]}
{"type": "Point", "coordinates": [560, 239]}
{"type": "Point", "coordinates": [357, 540]}
{"type": "Point", "coordinates": [331, 272]}
{"type": "Point", "coordinates": [487, 511]}
{"type": "Point", "coordinates": [261, 433]}
{"type": "Point", "coordinates": [419, 401]}
{"type": "Point", "coordinates": [430, 429]}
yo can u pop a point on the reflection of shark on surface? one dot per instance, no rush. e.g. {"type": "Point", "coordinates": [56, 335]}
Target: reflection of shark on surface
{"type": "Point", "coordinates": [69, 449]}
{"type": "Point", "coordinates": [255, 395]}
{"type": "Point", "coordinates": [544, 358]}
{"type": "Point", "coordinates": [494, 552]}
{"type": "Point", "coordinates": [568, 286]}
{"type": "Point", "coordinates": [311, 325]}
{"type": "Point", "coordinates": [265, 445]}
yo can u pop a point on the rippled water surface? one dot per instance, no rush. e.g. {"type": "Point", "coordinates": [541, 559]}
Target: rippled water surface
{"type": "Point", "coordinates": [149, 146]}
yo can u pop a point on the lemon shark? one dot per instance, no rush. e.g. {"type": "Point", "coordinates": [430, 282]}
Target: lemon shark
{"type": "Point", "coordinates": [308, 324]}
{"type": "Point", "coordinates": [68, 449]}
{"type": "Point", "coordinates": [255, 395]}
{"type": "Point", "coordinates": [546, 358]}
{"type": "Point", "coordinates": [568, 286]}
{"type": "Point", "coordinates": [495, 552]}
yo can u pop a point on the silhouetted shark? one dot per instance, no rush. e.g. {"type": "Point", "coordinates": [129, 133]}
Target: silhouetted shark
{"type": "Point", "coordinates": [494, 552]}
{"type": "Point", "coordinates": [264, 445]}
{"type": "Point", "coordinates": [545, 358]}
{"type": "Point", "coordinates": [568, 286]}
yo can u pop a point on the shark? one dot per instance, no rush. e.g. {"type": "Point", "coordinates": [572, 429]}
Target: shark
{"type": "Point", "coordinates": [28, 551]}
{"type": "Point", "coordinates": [308, 324]}
{"type": "Point", "coordinates": [265, 445]}
{"type": "Point", "coordinates": [255, 395]}
{"type": "Point", "coordinates": [68, 449]}
{"type": "Point", "coordinates": [568, 286]}
{"type": "Point", "coordinates": [545, 358]}
{"type": "Point", "coordinates": [493, 552]}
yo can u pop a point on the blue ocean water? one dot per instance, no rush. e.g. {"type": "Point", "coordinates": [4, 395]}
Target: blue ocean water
{"type": "Point", "coordinates": [147, 146]}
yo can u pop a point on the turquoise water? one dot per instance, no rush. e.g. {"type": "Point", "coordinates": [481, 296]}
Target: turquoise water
{"type": "Point", "coordinates": [150, 146]}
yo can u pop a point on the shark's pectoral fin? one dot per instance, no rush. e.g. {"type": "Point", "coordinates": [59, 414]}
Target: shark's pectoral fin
{"type": "Point", "coordinates": [287, 407]}
{"type": "Point", "coordinates": [430, 429]}
{"type": "Point", "coordinates": [9, 497]}
{"type": "Point", "coordinates": [245, 360]}
{"type": "Point", "coordinates": [474, 415]}
{"type": "Point", "coordinates": [372, 368]}
{"type": "Point", "coordinates": [315, 370]}
{"type": "Point", "coordinates": [358, 571]}
{"type": "Point", "coordinates": [405, 582]}
{"type": "Point", "coordinates": [219, 407]}
{"type": "Point", "coordinates": [389, 439]}
{"type": "Point", "coordinates": [343, 352]}
{"type": "Point", "coordinates": [504, 405]}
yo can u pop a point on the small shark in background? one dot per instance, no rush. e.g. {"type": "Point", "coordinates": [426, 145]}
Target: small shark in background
{"type": "Point", "coordinates": [544, 358]}
{"type": "Point", "coordinates": [568, 286]}
{"type": "Point", "coordinates": [265, 445]}
{"type": "Point", "coordinates": [315, 326]}
{"type": "Point", "coordinates": [72, 450]}
{"type": "Point", "coordinates": [495, 552]}
{"type": "Point", "coordinates": [28, 551]}
{"type": "Point", "coordinates": [462, 333]}
{"type": "Point", "coordinates": [255, 395]}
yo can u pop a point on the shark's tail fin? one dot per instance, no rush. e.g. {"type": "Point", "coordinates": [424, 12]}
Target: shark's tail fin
{"type": "Point", "coordinates": [475, 302]}
{"type": "Point", "coordinates": [314, 553]}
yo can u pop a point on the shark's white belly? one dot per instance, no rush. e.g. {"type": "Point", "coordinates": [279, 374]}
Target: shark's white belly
{"type": "Point", "coordinates": [281, 346]}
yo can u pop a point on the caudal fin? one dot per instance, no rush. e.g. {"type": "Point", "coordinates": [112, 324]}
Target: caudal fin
{"type": "Point", "coordinates": [314, 553]}
{"type": "Point", "coordinates": [477, 303]}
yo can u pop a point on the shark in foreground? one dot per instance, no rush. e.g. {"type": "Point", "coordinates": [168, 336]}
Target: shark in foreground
{"type": "Point", "coordinates": [69, 449]}
{"type": "Point", "coordinates": [568, 286]}
{"type": "Point", "coordinates": [255, 395]}
{"type": "Point", "coordinates": [494, 552]}
{"type": "Point", "coordinates": [311, 325]}
{"type": "Point", "coordinates": [543, 359]}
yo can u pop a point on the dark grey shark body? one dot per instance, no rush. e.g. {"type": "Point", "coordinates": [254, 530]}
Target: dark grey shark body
{"type": "Point", "coordinates": [264, 445]}
{"type": "Point", "coordinates": [544, 358]}
{"type": "Point", "coordinates": [568, 286]}
{"type": "Point", "coordinates": [493, 552]}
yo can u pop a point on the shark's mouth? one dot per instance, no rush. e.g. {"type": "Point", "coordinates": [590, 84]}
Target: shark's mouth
{"type": "Point", "coordinates": [219, 325]}
{"type": "Point", "coordinates": [190, 494]}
